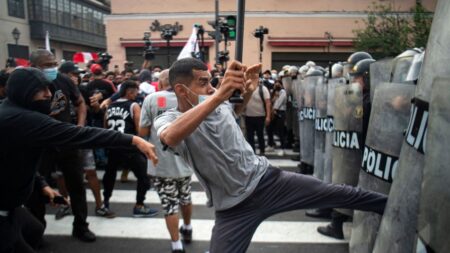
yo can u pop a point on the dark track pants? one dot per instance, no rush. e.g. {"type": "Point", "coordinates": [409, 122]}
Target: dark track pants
{"type": "Point", "coordinates": [130, 159]}
{"type": "Point", "coordinates": [281, 191]}
{"type": "Point", "coordinates": [255, 125]}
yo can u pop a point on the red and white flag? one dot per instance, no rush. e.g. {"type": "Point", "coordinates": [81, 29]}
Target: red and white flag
{"type": "Point", "coordinates": [84, 57]}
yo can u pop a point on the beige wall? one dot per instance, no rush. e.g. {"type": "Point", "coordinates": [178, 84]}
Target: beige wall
{"type": "Point", "coordinates": [286, 19]}
{"type": "Point", "coordinates": [170, 6]}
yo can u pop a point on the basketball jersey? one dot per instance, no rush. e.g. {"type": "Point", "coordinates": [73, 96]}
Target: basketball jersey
{"type": "Point", "coordinates": [119, 117]}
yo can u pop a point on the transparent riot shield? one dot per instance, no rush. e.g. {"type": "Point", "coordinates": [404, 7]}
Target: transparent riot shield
{"type": "Point", "coordinates": [380, 72]}
{"type": "Point", "coordinates": [328, 161]}
{"type": "Point", "coordinates": [347, 136]}
{"type": "Point", "coordinates": [399, 224]}
{"type": "Point", "coordinates": [321, 127]}
{"type": "Point", "coordinates": [434, 218]}
{"type": "Point", "coordinates": [307, 115]}
{"type": "Point", "coordinates": [388, 119]}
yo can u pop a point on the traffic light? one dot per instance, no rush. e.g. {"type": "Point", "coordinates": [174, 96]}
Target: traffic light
{"type": "Point", "coordinates": [226, 26]}
{"type": "Point", "coordinates": [231, 24]}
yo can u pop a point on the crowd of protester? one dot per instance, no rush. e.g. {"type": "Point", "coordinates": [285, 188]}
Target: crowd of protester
{"type": "Point", "coordinates": [129, 102]}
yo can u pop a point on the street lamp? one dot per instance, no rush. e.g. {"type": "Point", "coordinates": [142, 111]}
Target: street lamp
{"type": "Point", "coordinates": [329, 37]}
{"type": "Point", "coordinates": [167, 33]}
{"type": "Point", "coordinates": [16, 34]}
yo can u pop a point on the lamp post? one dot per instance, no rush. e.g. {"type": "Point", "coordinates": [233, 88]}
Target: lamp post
{"type": "Point", "coordinates": [329, 37]}
{"type": "Point", "coordinates": [167, 33]}
{"type": "Point", "coordinates": [16, 35]}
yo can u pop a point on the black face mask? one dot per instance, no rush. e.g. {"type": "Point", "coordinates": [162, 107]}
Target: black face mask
{"type": "Point", "coordinates": [42, 106]}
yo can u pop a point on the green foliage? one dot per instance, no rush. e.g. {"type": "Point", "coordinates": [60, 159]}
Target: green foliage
{"type": "Point", "coordinates": [388, 32]}
{"type": "Point", "coordinates": [421, 25]}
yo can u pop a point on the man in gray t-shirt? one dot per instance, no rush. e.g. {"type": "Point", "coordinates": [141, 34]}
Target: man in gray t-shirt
{"type": "Point", "coordinates": [243, 188]}
{"type": "Point", "coordinates": [171, 176]}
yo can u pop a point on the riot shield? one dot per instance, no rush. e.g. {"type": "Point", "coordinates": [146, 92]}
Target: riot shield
{"type": "Point", "coordinates": [294, 113]}
{"type": "Point", "coordinates": [399, 224]}
{"type": "Point", "coordinates": [307, 115]}
{"type": "Point", "coordinates": [380, 71]}
{"type": "Point", "coordinates": [388, 119]}
{"type": "Point", "coordinates": [348, 121]}
{"type": "Point", "coordinates": [287, 85]}
{"type": "Point", "coordinates": [434, 218]}
{"type": "Point", "coordinates": [299, 91]}
{"type": "Point", "coordinates": [328, 161]}
{"type": "Point", "coordinates": [321, 127]}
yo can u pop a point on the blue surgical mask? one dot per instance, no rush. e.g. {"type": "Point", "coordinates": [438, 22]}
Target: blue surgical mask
{"type": "Point", "coordinates": [201, 98]}
{"type": "Point", "coordinates": [50, 73]}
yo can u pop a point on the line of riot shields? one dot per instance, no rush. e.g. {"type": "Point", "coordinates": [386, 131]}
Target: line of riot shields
{"type": "Point", "coordinates": [402, 150]}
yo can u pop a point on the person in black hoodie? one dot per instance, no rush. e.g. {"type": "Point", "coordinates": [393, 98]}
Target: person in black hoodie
{"type": "Point", "coordinates": [26, 131]}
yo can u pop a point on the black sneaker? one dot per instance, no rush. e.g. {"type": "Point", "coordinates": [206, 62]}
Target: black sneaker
{"type": "Point", "coordinates": [186, 235]}
{"type": "Point", "coordinates": [178, 251]}
{"type": "Point", "coordinates": [84, 234]}
{"type": "Point", "coordinates": [331, 232]}
{"type": "Point", "coordinates": [62, 211]}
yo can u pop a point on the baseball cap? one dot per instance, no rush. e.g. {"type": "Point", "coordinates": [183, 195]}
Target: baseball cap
{"type": "Point", "coordinates": [69, 67]}
{"type": "Point", "coordinates": [96, 69]}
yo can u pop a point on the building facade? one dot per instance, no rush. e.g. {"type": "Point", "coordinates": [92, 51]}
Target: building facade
{"type": "Point", "coordinates": [299, 30]}
{"type": "Point", "coordinates": [73, 26]}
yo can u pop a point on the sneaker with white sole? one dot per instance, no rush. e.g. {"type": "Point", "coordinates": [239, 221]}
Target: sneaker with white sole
{"type": "Point", "coordinates": [144, 211]}
{"type": "Point", "coordinates": [104, 212]}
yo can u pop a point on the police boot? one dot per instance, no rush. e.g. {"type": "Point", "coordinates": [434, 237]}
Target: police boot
{"type": "Point", "coordinates": [331, 231]}
{"type": "Point", "coordinates": [319, 213]}
{"type": "Point", "coordinates": [334, 229]}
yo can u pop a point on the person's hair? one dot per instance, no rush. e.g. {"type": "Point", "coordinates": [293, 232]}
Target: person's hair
{"type": "Point", "coordinates": [126, 86]}
{"type": "Point", "coordinates": [181, 70]}
{"type": "Point", "coordinates": [36, 56]}
{"type": "Point", "coordinates": [145, 75]}
{"type": "Point", "coordinates": [129, 70]}
{"type": "Point", "coordinates": [110, 73]}
{"type": "Point", "coordinates": [3, 78]}
{"type": "Point", "coordinates": [134, 78]}
{"type": "Point", "coordinates": [157, 66]}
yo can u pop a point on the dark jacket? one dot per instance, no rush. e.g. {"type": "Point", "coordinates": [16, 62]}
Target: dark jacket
{"type": "Point", "coordinates": [25, 134]}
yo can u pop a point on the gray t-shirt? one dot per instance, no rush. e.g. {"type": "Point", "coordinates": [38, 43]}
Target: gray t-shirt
{"type": "Point", "coordinates": [224, 162]}
{"type": "Point", "coordinates": [169, 165]}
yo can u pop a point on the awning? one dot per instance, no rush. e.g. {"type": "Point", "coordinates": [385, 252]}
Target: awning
{"type": "Point", "coordinates": [309, 42]}
{"type": "Point", "coordinates": [178, 42]}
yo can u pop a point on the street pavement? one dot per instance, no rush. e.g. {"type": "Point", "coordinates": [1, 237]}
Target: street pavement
{"type": "Point", "coordinates": [286, 232]}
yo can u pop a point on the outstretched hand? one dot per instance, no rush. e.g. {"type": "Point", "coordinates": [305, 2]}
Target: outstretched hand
{"type": "Point", "coordinates": [233, 80]}
{"type": "Point", "coordinates": [252, 77]}
{"type": "Point", "coordinates": [146, 148]}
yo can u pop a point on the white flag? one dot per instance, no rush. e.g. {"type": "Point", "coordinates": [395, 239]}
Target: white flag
{"type": "Point", "coordinates": [47, 42]}
{"type": "Point", "coordinates": [191, 46]}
